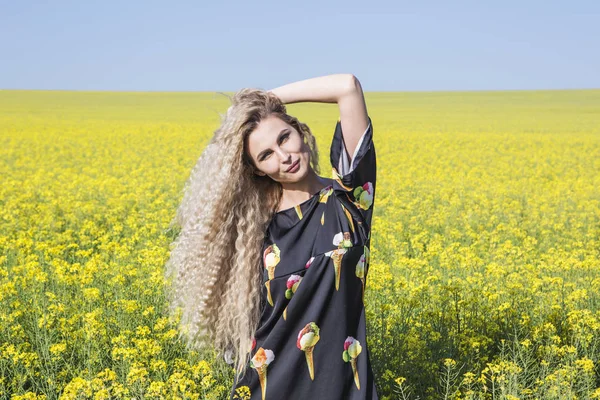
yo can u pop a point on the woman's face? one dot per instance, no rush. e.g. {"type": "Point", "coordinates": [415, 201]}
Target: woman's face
{"type": "Point", "coordinates": [275, 146]}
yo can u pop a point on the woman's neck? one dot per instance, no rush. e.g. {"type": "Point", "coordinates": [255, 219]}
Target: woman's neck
{"type": "Point", "coordinates": [299, 192]}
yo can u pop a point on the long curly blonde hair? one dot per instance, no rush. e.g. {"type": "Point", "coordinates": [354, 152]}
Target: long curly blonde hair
{"type": "Point", "coordinates": [214, 269]}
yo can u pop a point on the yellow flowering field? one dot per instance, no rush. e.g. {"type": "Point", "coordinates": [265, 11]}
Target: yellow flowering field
{"type": "Point", "coordinates": [485, 278]}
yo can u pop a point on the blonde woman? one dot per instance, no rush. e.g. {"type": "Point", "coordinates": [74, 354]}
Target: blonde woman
{"type": "Point", "coordinates": [271, 262]}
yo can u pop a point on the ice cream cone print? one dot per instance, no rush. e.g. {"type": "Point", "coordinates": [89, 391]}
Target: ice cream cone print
{"type": "Point", "coordinates": [352, 349]}
{"type": "Point", "coordinates": [292, 285]}
{"type": "Point", "coordinates": [338, 178]}
{"type": "Point", "coordinates": [360, 273]}
{"type": "Point", "coordinates": [298, 211]}
{"type": "Point", "coordinates": [349, 217]}
{"type": "Point", "coordinates": [309, 262]}
{"type": "Point", "coordinates": [363, 290]}
{"type": "Point", "coordinates": [356, 380]}
{"type": "Point", "coordinates": [337, 255]}
{"type": "Point", "coordinates": [325, 193]}
{"type": "Point", "coordinates": [363, 196]}
{"type": "Point", "coordinates": [307, 339]}
{"type": "Point", "coordinates": [271, 257]}
{"type": "Point", "coordinates": [342, 240]}
{"type": "Point", "coordinates": [262, 377]}
{"type": "Point", "coordinates": [309, 361]}
{"type": "Point", "coordinates": [269, 298]}
{"type": "Point", "coordinates": [347, 242]}
{"type": "Point", "coordinates": [259, 362]}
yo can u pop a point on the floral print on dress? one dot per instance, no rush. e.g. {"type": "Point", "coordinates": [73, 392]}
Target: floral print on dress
{"type": "Point", "coordinates": [271, 257]}
{"type": "Point", "coordinates": [259, 362]}
{"type": "Point", "coordinates": [352, 349]}
{"type": "Point", "coordinates": [292, 285]}
{"type": "Point", "coordinates": [307, 339]}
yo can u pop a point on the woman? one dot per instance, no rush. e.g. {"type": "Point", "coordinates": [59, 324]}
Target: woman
{"type": "Point", "coordinates": [271, 263]}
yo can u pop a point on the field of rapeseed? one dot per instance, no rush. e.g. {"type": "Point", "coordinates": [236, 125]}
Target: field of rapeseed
{"type": "Point", "coordinates": [485, 276]}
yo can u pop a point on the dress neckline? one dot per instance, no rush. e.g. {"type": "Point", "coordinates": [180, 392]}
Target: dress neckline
{"type": "Point", "coordinates": [312, 197]}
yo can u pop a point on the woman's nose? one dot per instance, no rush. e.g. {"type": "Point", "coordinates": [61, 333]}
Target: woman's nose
{"type": "Point", "coordinates": [283, 155]}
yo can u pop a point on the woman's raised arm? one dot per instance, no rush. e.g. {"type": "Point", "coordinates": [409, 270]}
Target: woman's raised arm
{"type": "Point", "coordinates": [322, 89]}
{"type": "Point", "coordinates": [343, 89]}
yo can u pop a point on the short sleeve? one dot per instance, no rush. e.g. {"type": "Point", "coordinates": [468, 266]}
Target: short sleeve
{"type": "Point", "coordinates": [355, 176]}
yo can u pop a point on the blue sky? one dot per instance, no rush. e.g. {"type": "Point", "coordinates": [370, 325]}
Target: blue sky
{"type": "Point", "coordinates": [226, 45]}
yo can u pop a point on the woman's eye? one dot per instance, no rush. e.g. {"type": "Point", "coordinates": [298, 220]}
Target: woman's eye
{"type": "Point", "coordinates": [283, 139]}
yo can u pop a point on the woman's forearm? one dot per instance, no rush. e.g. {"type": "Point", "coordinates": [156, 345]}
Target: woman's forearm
{"type": "Point", "coordinates": [322, 89]}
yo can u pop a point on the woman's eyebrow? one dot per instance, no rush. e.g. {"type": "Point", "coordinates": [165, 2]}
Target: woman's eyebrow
{"type": "Point", "coordinates": [283, 131]}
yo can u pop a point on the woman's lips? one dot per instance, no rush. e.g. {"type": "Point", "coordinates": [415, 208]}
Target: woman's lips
{"type": "Point", "coordinates": [293, 166]}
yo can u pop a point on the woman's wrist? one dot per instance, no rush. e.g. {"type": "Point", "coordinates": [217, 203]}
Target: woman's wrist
{"type": "Point", "coordinates": [322, 89]}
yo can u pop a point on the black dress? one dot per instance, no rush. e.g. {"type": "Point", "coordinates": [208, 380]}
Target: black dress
{"type": "Point", "coordinates": [311, 341]}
